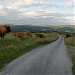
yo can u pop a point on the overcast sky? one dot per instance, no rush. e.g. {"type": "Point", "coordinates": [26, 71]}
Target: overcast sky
{"type": "Point", "coordinates": [37, 12]}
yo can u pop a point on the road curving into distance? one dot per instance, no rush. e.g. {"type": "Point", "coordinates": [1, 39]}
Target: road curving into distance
{"type": "Point", "coordinates": [51, 59]}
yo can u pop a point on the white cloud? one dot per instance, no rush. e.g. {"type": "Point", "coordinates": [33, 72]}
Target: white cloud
{"type": "Point", "coordinates": [2, 11]}
{"type": "Point", "coordinates": [29, 14]}
{"type": "Point", "coordinates": [19, 3]}
{"type": "Point", "coordinates": [70, 18]}
{"type": "Point", "coordinates": [11, 7]}
{"type": "Point", "coordinates": [69, 3]}
{"type": "Point", "coordinates": [1, 7]}
{"type": "Point", "coordinates": [25, 3]}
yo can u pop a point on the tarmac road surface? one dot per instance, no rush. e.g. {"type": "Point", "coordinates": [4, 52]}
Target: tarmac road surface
{"type": "Point", "coordinates": [51, 59]}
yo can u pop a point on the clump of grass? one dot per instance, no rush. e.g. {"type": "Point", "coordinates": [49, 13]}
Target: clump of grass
{"type": "Point", "coordinates": [11, 48]}
{"type": "Point", "coordinates": [70, 41]}
{"type": "Point", "coordinates": [73, 67]}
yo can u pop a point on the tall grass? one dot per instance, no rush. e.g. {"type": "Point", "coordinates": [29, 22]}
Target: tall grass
{"type": "Point", "coordinates": [70, 41]}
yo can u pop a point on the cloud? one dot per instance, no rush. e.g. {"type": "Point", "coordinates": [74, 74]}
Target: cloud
{"type": "Point", "coordinates": [36, 14]}
{"type": "Point", "coordinates": [68, 4]}
{"type": "Point", "coordinates": [20, 3]}
{"type": "Point", "coordinates": [1, 7]}
{"type": "Point", "coordinates": [27, 3]}
{"type": "Point", "coordinates": [38, 17]}
{"type": "Point", "coordinates": [19, 12]}
{"type": "Point", "coordinates": [2, 11]}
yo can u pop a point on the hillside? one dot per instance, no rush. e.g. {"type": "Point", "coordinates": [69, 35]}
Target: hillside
{"type": "Point", "coordinates": [30, 28]}
{"type": "Point", "coordinates": [66, 29]}
{"type": "Point", "coordinates": [63, 26]}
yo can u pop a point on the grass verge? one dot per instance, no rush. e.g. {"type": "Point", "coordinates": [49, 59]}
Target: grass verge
{"type": "Point", "coordinates": [70, 42]}
{"type": "Point", "coordinates": [72, 54]}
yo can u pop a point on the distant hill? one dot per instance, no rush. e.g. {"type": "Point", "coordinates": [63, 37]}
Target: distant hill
{"type": "Point", "coordinates": [31, 28]}
{"type": "Point", "coordinates": [63, 26]}
{"type": "Point", "coordinates": [66, 29]}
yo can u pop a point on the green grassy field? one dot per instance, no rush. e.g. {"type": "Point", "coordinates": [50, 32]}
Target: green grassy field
{"type": "Point", "coordinates": [12, 48]}
{"type": "Point", "coordinates": [70, 42]}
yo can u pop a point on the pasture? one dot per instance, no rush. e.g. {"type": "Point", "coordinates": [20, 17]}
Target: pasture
{"type": "Point", "coordinates": [12, 47]}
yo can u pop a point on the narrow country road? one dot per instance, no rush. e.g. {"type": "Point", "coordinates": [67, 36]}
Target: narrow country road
{"type": "Point", "coordinates": [51, 59]}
